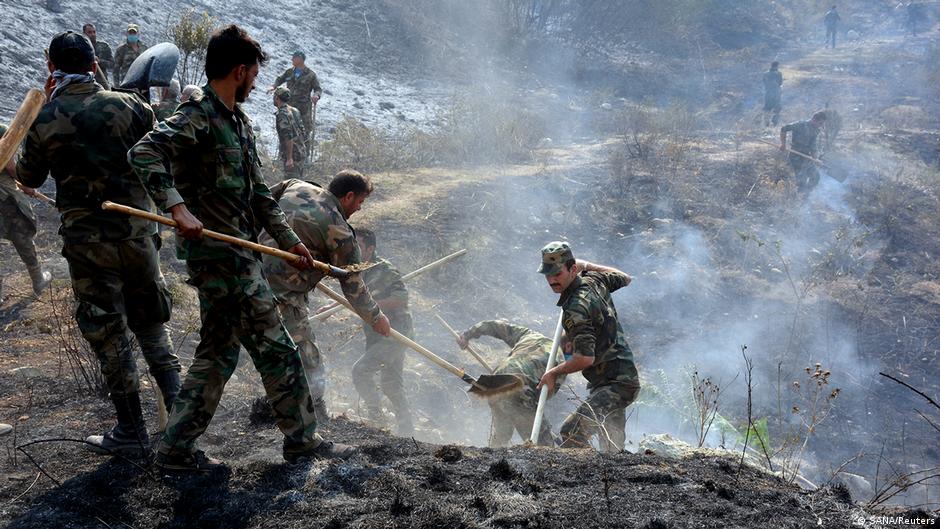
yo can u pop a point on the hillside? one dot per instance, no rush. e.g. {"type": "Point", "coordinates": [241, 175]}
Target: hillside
{"type": "Point", "coordinates": [644, 149]}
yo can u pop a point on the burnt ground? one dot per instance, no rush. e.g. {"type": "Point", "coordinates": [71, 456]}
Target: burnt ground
{"type": "Point", "coordinates": [879, 281]}
{"type": "Point", "coordinates": [395, 482]}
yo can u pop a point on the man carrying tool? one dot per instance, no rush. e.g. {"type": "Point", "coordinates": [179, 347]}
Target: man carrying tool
{"type": "Point", "coordinates": [112, 259]}
{"type": "Point", "coordinates": [773, 80]}
{"type": "Point", "coordinates": [18, 225]}
{"type": "Point", "coordinates": [291, 139]}
{"type": "Point", "coordinates": [201, 165]}
{"type": "Point", "coordinates": [305, 92]}
{"type": "Point", "coordinates": [803, 141]}
{"type": "Point", "coordinates": [599, 347]}
{"type": "Point", "coordinates": [319, 218]}
{"type": "Point", "coordinates": [384, 356]}
{"type": "Point", "coordinates": [527, 359]}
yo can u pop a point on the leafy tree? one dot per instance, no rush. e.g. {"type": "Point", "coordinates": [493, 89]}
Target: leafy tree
{"type": "Point", "coordinates": [191, 35]}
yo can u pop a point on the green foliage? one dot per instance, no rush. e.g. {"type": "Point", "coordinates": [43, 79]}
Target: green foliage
{"type": "Point", "coordinates": [758, 436]}
{"type": "Point", "coordinates": [191, 35]}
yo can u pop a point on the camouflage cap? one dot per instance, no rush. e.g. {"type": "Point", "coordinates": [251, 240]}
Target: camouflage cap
{"type": "Point", "coordinates": [282, 93]}
{"type": "Point", "coordinates": [300, 54]}
{"type": "Point", "coordinates": [554, 256]}
{"type": "Point", "coordinates": [133, 27]}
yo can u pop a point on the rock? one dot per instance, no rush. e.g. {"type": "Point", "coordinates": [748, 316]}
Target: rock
{"type": "Point", "coordinates": [386, 105]}
{"type": "Point", "coordinates": [359, 92]}
{"type": "Point", "coordinates": [606, 106]}
{"type": "Point", "coordinates": [449, 453]}
{"type": "Point", "coordinates": [852, 35]}
{"type": "Point", "coordinates": [25, 372]}
{"type": "Point", "coordinates": [5, 428]}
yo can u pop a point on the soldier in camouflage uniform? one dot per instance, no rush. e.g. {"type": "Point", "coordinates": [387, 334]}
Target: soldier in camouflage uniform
{"type": "Point", "coordinates": [112, 258]}
{"type": "Point", "coordinates": [527, 358]}
{"type": "Point", "coordinates": [291, 146]}
{"type": "Point", "coordinates": [201, 164]}
{"type": "Point", "coordinates": [305, 92]}
{"type": "Point", "coordinates": [599, 347]}
{"type": "Point", "coordinates": [804, 135]}
{"type": "Point", "coordinates": [384, 357]}
{"type": "Point", "coordinates": [127, 52]}
{"type": "Point", "coordinates": [319, 217]}
{"type": "Point", "coordinates": [102, 54]}
{"type": "Point", "coordinates": [18, 225]}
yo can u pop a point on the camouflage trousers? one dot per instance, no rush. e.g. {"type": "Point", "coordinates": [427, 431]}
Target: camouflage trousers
{"type": "Point", "coordinates": [603, 414]}
{"type": "Point", "coordinates": [516, 413]}
{"type": "Point", "coordinates": [120, 290]}
{"type": "Point", "coordinates": [19, 228]}
{"type": "Point", "coordinates": [237, 307]}
{"type": "Point", "coordinates": [386, 358]}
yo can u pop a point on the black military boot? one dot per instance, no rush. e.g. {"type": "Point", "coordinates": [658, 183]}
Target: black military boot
{"type": "Point", "coordinates": [319, 409]}
{"type": "Point", "coordinates": [129, 437]}
{"type": "Point", "coordinates": [40, 278]}
{"type": "Point", "coordinates": [169, 384]}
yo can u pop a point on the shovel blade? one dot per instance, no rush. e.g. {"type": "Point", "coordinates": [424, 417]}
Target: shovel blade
{"type": "Point", "coordinates": [493, 385]}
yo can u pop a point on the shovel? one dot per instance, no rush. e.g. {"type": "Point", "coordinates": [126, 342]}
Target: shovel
{"type": "Point", "coordinates": [20, 125]}
{"type": "Point", "coordinates": [836, 174]}
{"type": "Point", "coordinates": [486, 386]}
{"type": "Point", "coordinates": [322, 267]}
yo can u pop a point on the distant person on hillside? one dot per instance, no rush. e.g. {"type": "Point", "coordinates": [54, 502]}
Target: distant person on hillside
{"type": "Point", "coordinates": [803, 140]}
{"type": "Point", "coordinates": [291, 138]}
{"type": "Point", "coordinates": [305, 92]}
{"type": "Point", "coordinates": [832, 23]}
{"type": "Point", "coordinates": [773, 81]}
{"type": "Point", "coordinates": [127, 52]}
{"type": "Point", "coordinates": [102, 54]}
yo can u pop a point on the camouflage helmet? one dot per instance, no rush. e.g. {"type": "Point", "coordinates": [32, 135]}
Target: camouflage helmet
{"type": "Point", "coordinates": [282, 93]}
{"type": "Point", "coordinates": [554, 256]}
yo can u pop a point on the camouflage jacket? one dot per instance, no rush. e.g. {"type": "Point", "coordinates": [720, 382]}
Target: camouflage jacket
{"type": "Point", "coordinates": [315, 215]}
{"type": "Point", "coordinates": [803, 136]}
{"type": "Point", "coordinates": [290, 128]}
{"type": "Point", "coordinates": [205, 155]}
{"type": "Point", "coordinates": [123, 58]}
{"type": "Point", "coordinates": [300, 86]}
{"type": "Point", "coordinates": [384, 282]}
{"type": "Point", "coordinates": [81, 137]}
{"type": "Point", "coordinates": [529, 350]}
{"type": "Point", "coordinates": [104, 56]}
{"type": "Point", "coordinates": [165, 108]}
{"type": "Point", "coordinates": [590, 320]}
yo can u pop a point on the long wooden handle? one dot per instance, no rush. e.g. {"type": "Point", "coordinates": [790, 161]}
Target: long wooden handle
{"type": "Point", "coordinates": [253, 246]}
{"type": "Point", "coordinates": [336, 307]}
{"type": "Point", "coordinates": [401, 338]}
{"type": "Point", "coordinates": [798, 153]}
{"type": "Point", "coordinates": [20, 125]}
{"type": "Point", "coordinates": [36, 194]}
{"type": "Point", "coordinates": [473, 352]}
{"type": "Point", "coordinates": [543, 396]}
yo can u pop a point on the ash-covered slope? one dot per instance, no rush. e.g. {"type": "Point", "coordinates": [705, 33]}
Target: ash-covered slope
{"type": "Point", "coordinates": [359, 53]}
{"type": "Point", "coordinates": [400, 483]}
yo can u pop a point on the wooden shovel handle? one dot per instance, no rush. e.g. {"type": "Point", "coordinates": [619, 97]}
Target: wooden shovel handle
{"type": "Point", "coordinates": [473, 352]}
{"type": "Point", "coordinates": [253, 246]}
{"type": "Point", "coordinates": [20, 125]}
{"type": "Point", "coordinates": [401, 338]}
